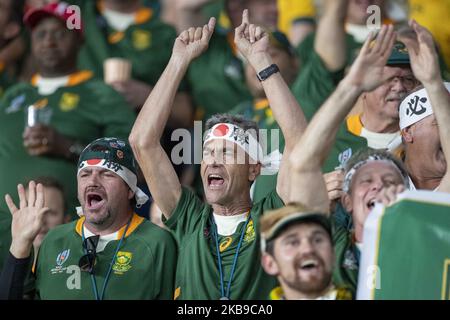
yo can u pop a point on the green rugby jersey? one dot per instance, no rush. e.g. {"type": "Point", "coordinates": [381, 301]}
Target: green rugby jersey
{"type": "Point", "coordinates": [260, 112]}
{"type": "Point", "coordinates": [147, 43]}
{"type": "Point", "coordinates": [345, 273]}
{"type": "Point", "coordinates": [144, 267]}
{"type": "Point", "coordinates": [83, 110]}
{"type": "Point", "coordinates": [312, 87]}
{"type": "Point", "coordinates": [197, 274]}
{"type": "Point", "coordinates": [216, 78]}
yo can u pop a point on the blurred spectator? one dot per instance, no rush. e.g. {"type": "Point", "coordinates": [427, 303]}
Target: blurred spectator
{"type": "Point", "coordinates": [431, 14]}
{"type": "Point", "coordinates": [258, 108]}
{"type": "Point", "coordinates": [297, 19]}
{"type": "Point", "coordinates": [12, 45]}
{"type": "Point", "coordinates": [54, 200]}
{"type": "Point", "coordinates": [46, 123]}
{"type": "Point", "coordinates": [127, 29]}
{"type": "Point", "coordinates": [217, 78]}
{"type": "Point", "coordinates": [298, 249]}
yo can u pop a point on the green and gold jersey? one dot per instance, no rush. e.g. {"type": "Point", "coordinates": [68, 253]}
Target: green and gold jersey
{"type": "Point", "coordinates": [216, 78]}
{"type": "Point", "coordinates": [197, 274]}
{"type": "Point", "coordinates": [347, 254]}
{"type": "Point", "coordinates": [144, 267]}
{"type": "Point", "coordinates": [260, 112]}
{"type": "Point", "coordinates": [313, 86]}
{"type": "Point", "coordinates": [147, 43]}
{"type": "Point", "coordinates": [340, 293]}
{"type": "Point", "coordinates": [83, 110]}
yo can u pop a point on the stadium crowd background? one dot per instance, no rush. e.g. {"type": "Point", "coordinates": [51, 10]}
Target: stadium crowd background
{"type": "Point", "coordinates": [61, 75]}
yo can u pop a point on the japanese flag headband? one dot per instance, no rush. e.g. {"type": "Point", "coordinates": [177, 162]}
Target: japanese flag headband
{"type": "Point", "coordinates": [236, 135]}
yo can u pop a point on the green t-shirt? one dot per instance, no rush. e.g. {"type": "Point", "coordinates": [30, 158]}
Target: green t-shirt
{"type": "Point", "coordinates": [216, 78]}
{"type": "Point", "coordinates": [147, 43]}
{"type": "Point", "coordinates": [144, 267]}
{"type": "Point", "coordinates": [347, 254]}
{"type": "Point", "coordinates": [260, 112]}
{"type": "Point", "coordinates": [84, 110]}
{"type": "Point", "coordinates": [197, 274]}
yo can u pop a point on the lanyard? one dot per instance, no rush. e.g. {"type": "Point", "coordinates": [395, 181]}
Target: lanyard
{"type": "Point", "coordinates": [226, 295]}
{"type": "Point", "coordinates": [105, 283]}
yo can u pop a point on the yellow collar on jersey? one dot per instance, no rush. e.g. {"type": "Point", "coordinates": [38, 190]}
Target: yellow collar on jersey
{"type": "Point", "coordinates": [135, 222]}
{"type": "Point", "coordinates": [74, 79]}
{"type": "Point", "coordinates": [354, 124]}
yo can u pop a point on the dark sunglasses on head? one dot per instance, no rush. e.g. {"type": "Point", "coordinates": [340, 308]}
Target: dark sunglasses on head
{"type": "Point", "coordinates": [87, 261]}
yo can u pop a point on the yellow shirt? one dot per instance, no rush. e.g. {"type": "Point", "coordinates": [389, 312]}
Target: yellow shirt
{"type": "Point", "coordinates": [289, 10]}
{"type": "Point", "coordinates": [434, 15]}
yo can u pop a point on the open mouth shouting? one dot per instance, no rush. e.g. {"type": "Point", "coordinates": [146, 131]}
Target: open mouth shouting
{"type": "Point", "coordinates": [215, 181]}
{"type": "Point", "coordinates": [310, 266]}
{"type": "Point", "coordinates": [94, 200]}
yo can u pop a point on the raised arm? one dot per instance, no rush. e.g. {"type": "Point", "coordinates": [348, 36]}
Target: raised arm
{"type": "Point", "coordinates": [425, 65]}
{"type": "Point", "coordinates": [308, 156]}
{"type": "Point", "coordinates": [253, 42]}
{"type": "Point", "coordinates": [329, 42]}
{"type": "Point", "coordinates": [148, 128]}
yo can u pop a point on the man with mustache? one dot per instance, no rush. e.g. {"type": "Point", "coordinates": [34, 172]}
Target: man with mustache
{"type": "Point", "coordinates": [368, 174]}
{"type": "Point", "coordinates": [219, 239]}
{"type": "Point", "coordinates": [110, 252]}
{"type": "Point", "coordinates": [297, 247]}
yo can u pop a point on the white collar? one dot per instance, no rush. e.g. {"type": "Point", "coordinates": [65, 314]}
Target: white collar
{"type": "Point", "coordinates": [118, 20]}
{"type": "Point", "coordinates": [359, 32]}
{"type": "Point", "coordinates": [48, 86]}
{"type": "Point", "coordinates": [103, 240]}
{"type": "Point", "coordinates": [227, 225]}
{"type": "Point", "coordinates": [377, 140]}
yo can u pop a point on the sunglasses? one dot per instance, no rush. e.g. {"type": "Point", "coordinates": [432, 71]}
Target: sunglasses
{"type": "Point", "coordinates": [87, 261]}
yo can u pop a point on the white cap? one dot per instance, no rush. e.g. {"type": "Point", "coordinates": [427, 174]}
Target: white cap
{"type": "Point", "coordinates": [415, 107]}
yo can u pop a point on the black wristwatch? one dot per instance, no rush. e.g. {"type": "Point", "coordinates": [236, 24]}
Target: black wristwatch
{"type": "Point", "coordinates": [267, 72]}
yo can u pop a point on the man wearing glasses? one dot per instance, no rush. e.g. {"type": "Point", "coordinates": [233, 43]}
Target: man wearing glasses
{"type": "Point", "coordinates": [110, 252]}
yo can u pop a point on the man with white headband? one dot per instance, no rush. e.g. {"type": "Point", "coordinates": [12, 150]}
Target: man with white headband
{"type": "Point", "coordinates": [425, 117]}
{"type": "Point", "coordinates": [110, 252]}
{"type": "Point", "coordinates": [219, 240]}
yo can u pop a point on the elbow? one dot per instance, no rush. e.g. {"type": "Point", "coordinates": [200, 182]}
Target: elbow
{"type": "Point", "coordinates": [141, 142]}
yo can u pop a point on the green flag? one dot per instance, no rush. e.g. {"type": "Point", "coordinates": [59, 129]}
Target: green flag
{"type": "Point", "coordinates": [406, 250]}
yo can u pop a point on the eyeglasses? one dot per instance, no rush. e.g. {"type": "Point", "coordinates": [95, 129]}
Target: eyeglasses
{"type": "Point", "coordinates": [409, 82]}
{"type": "Point", "coordinates": [87, 261]}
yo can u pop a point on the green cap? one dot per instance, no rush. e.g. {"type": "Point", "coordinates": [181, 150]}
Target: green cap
{"type": "Point", "coordinates": [273, 223]}
{"type": "Point", "coordinates": [399, 55]}
{"type": "Point", "coordinates": [112, 151]}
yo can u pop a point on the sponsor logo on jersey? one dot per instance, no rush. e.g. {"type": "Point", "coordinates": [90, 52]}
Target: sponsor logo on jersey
{"type": "Point", "coordinates": [16, 103]}
{"type": "Point", "coordinates": [123, 262]}
{"type": "Point", "coordinates": [344, 156]}
{"type": "Point", "coordinates": [61, 258]}
{"type": "Point", "coordinates": [142, 39]}
{"type": "Point", "coordinates": [250, 232]}
{"type": "Point", "coordinates": [225, 243]}
{"type": "Point", "coordinates": [69, 101]}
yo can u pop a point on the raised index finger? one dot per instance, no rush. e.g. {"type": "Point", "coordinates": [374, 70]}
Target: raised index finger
{"type": "Point", "coordinates": [245, 19]}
